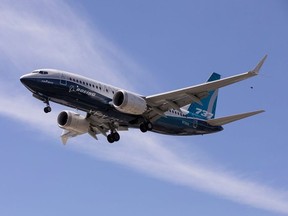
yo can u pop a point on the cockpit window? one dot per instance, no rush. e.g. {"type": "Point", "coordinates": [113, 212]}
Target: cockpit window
{"type": "Point", "coordinates": [40, 72]}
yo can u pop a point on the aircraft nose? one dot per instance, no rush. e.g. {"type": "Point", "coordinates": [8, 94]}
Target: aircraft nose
{"type": "Point", "coordinates": [24, 79]}
{"type": "Point", "coordinates": [28, 81]}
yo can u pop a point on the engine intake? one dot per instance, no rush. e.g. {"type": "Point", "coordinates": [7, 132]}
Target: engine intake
{"type": "Point", "coordinates": [73, 122]}
{"type": "Point", "coordinates": [130, 103]}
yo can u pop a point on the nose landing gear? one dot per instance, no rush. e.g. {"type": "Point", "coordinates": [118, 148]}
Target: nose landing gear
{"type": "Point", "coordinates": [47, 109]}
{"type": "Point", "coordinates": [45, 99]}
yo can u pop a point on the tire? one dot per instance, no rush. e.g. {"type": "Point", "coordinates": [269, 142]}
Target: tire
{"type": "Point", "coordinates": [143, 128]}
{"type": "Point", "coordinates": [116, 136]}
{"type": "Point", "coordinates": [110, 138]}
{"type": "Point", "coordinates": [47, 109]}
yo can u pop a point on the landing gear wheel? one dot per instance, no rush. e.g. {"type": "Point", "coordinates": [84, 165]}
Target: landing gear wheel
{"type": "Point", "coordinates": [116, 136]}
{"type": "Point", "coordinates": [47, 109]}
{"type": "Point", "coordinates": [110, 138]}
{"type": "Point", "coordinates": [113, 137]}
{"type": "Point", "coordinates": [143, 128]}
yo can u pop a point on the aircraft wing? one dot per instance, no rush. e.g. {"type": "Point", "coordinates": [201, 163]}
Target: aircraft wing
{"type": "Point", "coordinates": [102, 124]}
{"type": "Point", "coordinates": [161, 103]}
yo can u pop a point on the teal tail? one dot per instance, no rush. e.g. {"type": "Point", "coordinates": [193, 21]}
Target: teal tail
{"type": "Point", "coordinates": [207, 108]}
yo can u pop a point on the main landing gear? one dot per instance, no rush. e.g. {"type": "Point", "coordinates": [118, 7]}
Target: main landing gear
{"type": "Point", "coordinates": [113, 137]}
{"type": "Point", "coordinates": [146, 126]}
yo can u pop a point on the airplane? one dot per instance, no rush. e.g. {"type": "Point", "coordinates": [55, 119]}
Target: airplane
{"type": "Point", "coordinates": [186, 111]}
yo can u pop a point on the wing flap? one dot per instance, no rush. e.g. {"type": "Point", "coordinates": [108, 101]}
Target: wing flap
{"type": "Point", "coordinates": [232, 118]}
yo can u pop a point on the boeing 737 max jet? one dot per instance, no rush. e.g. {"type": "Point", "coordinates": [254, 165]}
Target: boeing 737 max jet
{"type": "Point", "coordinates": [186, 111]}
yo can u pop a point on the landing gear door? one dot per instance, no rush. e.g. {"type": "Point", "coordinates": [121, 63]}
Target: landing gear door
{"type": "Point", "coordinates": [63, 80]}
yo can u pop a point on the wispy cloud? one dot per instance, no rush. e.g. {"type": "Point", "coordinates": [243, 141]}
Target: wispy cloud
{"type": "Point", "coordinates": [59, 38]}
{"type": "Point", "coordinates": [153, 157]}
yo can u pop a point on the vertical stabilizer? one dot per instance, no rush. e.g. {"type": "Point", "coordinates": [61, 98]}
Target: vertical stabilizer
{"type": "Point", "coordinates": [207, 107]}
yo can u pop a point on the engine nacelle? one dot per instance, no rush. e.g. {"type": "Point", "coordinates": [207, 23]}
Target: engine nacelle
{"type": "Point", "coordinates": [129, 103]}
{"type": "Point", "coordinates": [72, 121]}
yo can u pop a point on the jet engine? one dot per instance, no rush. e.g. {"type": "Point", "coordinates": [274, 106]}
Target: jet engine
{"type": "Point", "coordinates": [130, 103]}
{"type": "Point", "coordinates": [72, 121]}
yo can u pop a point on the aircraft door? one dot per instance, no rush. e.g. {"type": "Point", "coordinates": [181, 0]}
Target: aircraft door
{"type": "Point", "coordinates": [63, 80]}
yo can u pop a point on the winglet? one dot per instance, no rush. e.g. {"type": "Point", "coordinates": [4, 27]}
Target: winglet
{"type": "Point", "coordinates": [259, 65]}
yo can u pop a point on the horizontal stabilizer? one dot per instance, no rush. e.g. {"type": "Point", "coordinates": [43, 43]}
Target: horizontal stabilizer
{"type": "Point", "coordinates": [228, 119]}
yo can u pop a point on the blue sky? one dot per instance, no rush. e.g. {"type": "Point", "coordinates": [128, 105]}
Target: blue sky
{"type": "Point", "coordinates": [148, 47]}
